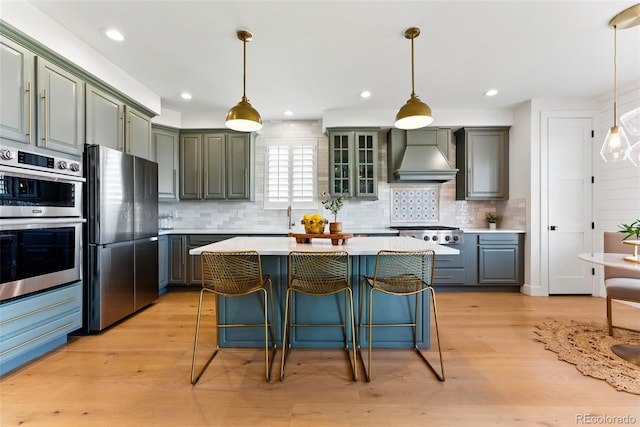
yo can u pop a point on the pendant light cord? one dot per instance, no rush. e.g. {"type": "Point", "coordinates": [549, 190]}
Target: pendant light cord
{"type": "Point", "coordinates": [615, 75]}
{"type": "Point", "coordinates": [413, 92]}
{"type": "Point", "coordinates": [244, 69]}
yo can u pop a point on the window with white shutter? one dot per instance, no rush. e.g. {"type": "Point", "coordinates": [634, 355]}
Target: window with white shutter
{"type": "Point", "coordinates": [290, 173]}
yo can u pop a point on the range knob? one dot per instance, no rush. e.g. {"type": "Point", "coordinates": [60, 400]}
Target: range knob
{"type": "Point", "coordinates": [62, 164]}
{"type": "Point", "coordinates": [455, 238]}
{"type": "Point", "coordinates": [74, 167]}
{"type": "Point", "coordinates": [447, 238]}
{"type": "Point", "coordinates": [6, 154]}
{"type": "Point", "coordinates": [434, 238]}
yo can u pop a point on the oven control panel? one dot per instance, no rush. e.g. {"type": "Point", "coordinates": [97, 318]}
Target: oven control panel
{"type": "Point", "coordinates": [35, 161]}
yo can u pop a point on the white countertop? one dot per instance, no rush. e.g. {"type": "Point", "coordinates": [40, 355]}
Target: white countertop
{"type": "Point", "coordinates": [487, 230]}
{"type": "Point", "coordinates": [355, 245]}
{"type": "Point", "coordinates": [259, 231]}
{"type": "Point", "coordinates": [284, 231]}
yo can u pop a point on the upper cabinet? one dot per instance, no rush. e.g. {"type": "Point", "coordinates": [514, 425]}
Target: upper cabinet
{"type": "Point", "coordinates": [137, 139]}
{"type": "Point", "coordinates": [353, 163]}
{"type": "Point", "coordinates": [482, 157]}
{"type": "Point", "coordinates": [60, 109]}
{"type": "Point", "coordinates": [164, 147]}
{"type": "Point", "coordinates": [115, 125]}
{"type": "Point", "coordinates": [105, 119]}
{"type": "Point", "coordinates": [47, 111]}
{"type": "Point", "coordinates": [16, 93]}
{"type": "Point", "coordinates": [216, 166]}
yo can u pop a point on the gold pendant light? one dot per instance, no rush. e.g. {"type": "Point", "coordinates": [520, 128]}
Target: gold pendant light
{"type": "Point", "coordinates": [616, 145]}
{"type": "Point", "coordinates": [243, 117]}
{"type": "Point", "coordinates": [415, 113]}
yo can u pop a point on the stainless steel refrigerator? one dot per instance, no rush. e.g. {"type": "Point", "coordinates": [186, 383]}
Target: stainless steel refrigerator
{"type": "Point", "coordinates": [121, 254]}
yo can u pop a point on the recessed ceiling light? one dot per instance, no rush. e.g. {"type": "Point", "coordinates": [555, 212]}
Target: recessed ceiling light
{"type": "Point", "coordinates": [491, 92]}
{"type": "Point", "coordinates": [288, 113]}
{"type": "Point", "coordinates": [185, 95]}
{"type": "Point", "coordinates": [113, 34]}
{"type": "Point", "coordinates": [364, 94]}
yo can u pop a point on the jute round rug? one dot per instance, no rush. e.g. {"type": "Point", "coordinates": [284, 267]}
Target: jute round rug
{"type": "Point", "coordinates": [588, 346]}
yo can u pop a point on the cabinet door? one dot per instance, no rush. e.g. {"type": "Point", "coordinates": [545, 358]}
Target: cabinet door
{"type": "Point", "coordinates": [105, 117]}
{"type": "Point", "coordinates": [498, 264]}
{"type": "Point", "coordinates": [138, 133]}
{"type": "Point", "coordinates": [164, 145]}
{"type": "Point", "coordinates": [190, 169]}
{"type": "Point", "coordinates": [238, 165]}
{"type": "Point", "coordinates": [16, 92]}
{"type": "Point", "coordinates": [340, 160]}
{"type": "Point", "coordinates": [214, 167]}
{"type": "Point", "coordinates": [177, 260]}
{"type": "Point", "coordinates": [366, 165]}
{"type": "Point", "coordinates": [61, 111]}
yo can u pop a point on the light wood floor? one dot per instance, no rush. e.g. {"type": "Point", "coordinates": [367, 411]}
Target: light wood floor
{"type": "Point", "coordinates": [137, 374]}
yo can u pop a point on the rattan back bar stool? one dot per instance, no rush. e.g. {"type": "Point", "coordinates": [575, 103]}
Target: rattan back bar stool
{"type": "Point", "coordinates": [319, 274]}
{"type": "Point", "coordinates": [235, 274]}
{"type": "Point", "coordinates": [400, 273]}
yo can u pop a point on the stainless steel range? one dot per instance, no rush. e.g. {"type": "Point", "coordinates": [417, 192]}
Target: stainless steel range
{"type": "Point", "coordinates": [432, 233]}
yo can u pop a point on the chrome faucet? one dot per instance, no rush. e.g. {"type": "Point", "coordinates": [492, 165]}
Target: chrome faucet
{"type": "Point", "coordinates": [290, 224]}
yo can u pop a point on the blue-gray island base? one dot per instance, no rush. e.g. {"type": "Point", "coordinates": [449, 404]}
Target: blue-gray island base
{"type": "Point", "coordinates": [362, 251]}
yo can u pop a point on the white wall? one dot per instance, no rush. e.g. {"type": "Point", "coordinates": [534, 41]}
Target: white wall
{"type": "Point", "coordinates": [617, 186]}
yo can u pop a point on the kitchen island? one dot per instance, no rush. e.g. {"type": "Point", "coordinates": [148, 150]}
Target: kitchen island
{"type": "Point", "coordinates": [362, 251]}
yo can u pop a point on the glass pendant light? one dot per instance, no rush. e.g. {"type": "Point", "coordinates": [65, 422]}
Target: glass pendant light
{"type": "Point", "coordinates": [616, 145]}
{"type": "Point", "coordinates": [243, 117]}
{"type": "Point", "coordinates": [415, 113]}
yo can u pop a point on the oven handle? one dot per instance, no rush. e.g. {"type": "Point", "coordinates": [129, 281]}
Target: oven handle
{"type": "Point", "coordinates": [31, 223]}
{"type": "Point", "coordinates": [44, 175]}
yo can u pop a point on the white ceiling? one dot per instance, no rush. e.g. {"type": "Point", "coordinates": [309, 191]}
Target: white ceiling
{"type": "Point", "coordinates": [311, 56]}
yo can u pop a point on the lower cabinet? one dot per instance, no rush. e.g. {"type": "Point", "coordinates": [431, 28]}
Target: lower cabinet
{"type": "Point", "coordinates": [36, 324]}
{"type": "Point", "coordinates": [486, 260]}
{"type": "Point", "coordinates": [499, 259]}
{"type": "Point", "coordinates": [184, 269]}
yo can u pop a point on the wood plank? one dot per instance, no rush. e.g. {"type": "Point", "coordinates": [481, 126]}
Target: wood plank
{"type": "Point", "coordinates": [137, 373]}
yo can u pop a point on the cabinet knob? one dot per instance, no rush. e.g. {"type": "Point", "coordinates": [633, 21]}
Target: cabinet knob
{"type": "Point", "coordinates": [552, 228]}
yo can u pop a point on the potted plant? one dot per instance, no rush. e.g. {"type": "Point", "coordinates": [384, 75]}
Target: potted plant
{"type": "Point", "coordinates": [632, 230]}
{"type": "Point", "coordinates": [492, 219]}
{"type": "Point", "coordinates": [333, 204]}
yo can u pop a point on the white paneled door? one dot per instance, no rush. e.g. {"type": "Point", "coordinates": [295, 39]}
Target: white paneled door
{"type": "Point", "coordinates": [569, 195]}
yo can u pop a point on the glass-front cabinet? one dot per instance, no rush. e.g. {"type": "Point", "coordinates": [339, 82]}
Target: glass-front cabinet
{"type": "Point", "coordinates": [353, 163]}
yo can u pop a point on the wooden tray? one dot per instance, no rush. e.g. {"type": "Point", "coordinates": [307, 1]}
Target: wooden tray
{"type": "Point", "coordinates": [336, 238]}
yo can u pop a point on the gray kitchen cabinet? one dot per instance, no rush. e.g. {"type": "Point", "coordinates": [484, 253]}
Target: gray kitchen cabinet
{"type": "Point", "coordinates": [353, 163]}
{"type": "Point", "coordinates": [163, 265]}
{"type": "Point", "coordinates": [137, 139]}
{"type": "Point", "coordinates": [184, 269]}
{"type": "Point", "coordinates": [17, 98]}
{"type": "Point", "coordinates": [164, 147]}
{"type": "Point", "coordinates": [482, 157]}
{"type": "Point", "coordinates": [500, 259]}
{"type": "Point", "coordinates": [60, 109]}
{"type": "Point", "coordinates": [216, 166]}
{"type": "Point", "coordinates": [43, 108]}
{"type": "Point", "coordinates": [113, 124]}
{"type": "Point", "coordinates": [105, 119]}
{"type": "Point", "coordinates": [177, 259]}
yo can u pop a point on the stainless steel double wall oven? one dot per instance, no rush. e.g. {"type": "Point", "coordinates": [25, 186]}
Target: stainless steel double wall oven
{"type": "Point", "coordinates": [40, 221]}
